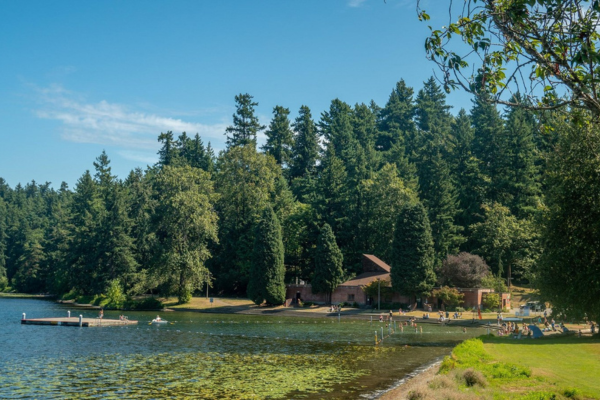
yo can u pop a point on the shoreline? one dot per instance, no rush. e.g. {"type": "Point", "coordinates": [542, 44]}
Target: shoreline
{"type": "Point", "coordinates": [418, 377]}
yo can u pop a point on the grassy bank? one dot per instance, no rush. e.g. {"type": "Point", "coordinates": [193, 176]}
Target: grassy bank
{"type": "Point", "coordinates": [26, 296]}
{"type": "Point", "coordinates": [556, 367]}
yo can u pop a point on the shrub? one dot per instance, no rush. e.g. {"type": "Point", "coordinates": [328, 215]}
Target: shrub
{"type": "Point", "coordinates": [572, 394]}
{"type": "Point", "coordinates": [308, 304]}
{"type": "Point", "coordinates": [473, 377]}
{"type": "Point", "coordinates": [441, 382]}
{"type": "Point", "coordinates": [491, 300]}
{"type": "Point", "coordinates": [3, 283]}
{"type": "Point", "coordinates": [417, 394]}
{"type": "Point", "coordinates": [449, 296]}
{"type": "Point", "coordinates": [459, 309]}
{"type": "Point", "coordinates": [463, 270]}
{"type": "Point", "coordinates": [71, 295]}
{"type": "Point", "coordinates": [114, 294]}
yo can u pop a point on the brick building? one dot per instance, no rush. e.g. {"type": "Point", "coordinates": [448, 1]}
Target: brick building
{"type": "Point", "coordinates": [375, 269]}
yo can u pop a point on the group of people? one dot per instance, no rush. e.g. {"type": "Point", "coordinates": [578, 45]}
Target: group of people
{"type": "Point", "coordinates": [335, 308]}
{"type": "Point", "coordinates": [510, 327]}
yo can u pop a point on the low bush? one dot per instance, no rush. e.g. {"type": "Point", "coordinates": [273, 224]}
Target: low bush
{"type": "Point", "coordinates": [473, 377]}
{"type": "Point", "coordinates": [307, 304]}
{"type": "Point", "coordinates": [459, 309]}
{"type": "Point", "coordinates": [418, 394]}
{"type": "Point", "coordinates": [572, 394]}
{"type": "Point", "coordinates": [441, 382]}
{"type": "Point", "coordinates": [72, 295]}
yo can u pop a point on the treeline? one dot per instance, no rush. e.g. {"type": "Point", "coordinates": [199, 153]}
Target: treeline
{"type": "Point", "coordinates": [191, 218]}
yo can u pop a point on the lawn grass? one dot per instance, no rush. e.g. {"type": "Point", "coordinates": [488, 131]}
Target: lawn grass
{"type": "Point", "coordinates": [568, 362]}
{"type": "Point", "coordinates": [557, 367]}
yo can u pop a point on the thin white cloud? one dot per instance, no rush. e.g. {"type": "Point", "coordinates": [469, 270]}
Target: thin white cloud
{"type": "Point", "coordinates": [141, 156]}
{"type": "Point", "coordinates": [114, 124]}
{"type": "Point", "coordinates": [355, 3]}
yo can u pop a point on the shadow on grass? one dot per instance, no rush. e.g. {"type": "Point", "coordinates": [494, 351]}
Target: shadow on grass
{"type": "Point", "coordinates": [546, 340]}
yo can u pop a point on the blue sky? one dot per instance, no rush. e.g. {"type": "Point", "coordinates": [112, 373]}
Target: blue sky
{"type": "Point", "coordinates": [77, 77]}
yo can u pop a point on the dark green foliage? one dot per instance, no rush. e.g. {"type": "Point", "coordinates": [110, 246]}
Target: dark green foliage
{"type": "Point", "coordinates": [412, 253]}
{"type": "Point", "coordinates": [246, 182]}
{"type": "Point", "coordinates": [570, 267]}
{"type": "Point", "coordinates": [245, 124]}
{"type": "Point", "coordinates": [279, 136]}
{"type": "Point", "coordinates": [267, 272]}
{"type": "Point", "coordinates": [478, 176]}
{"type": "Point", "coordinates": [305, 149]}
{"type": "Point", "coordinates": [185, 223]}
{"type": "Point", "coordinates": [328, 263]}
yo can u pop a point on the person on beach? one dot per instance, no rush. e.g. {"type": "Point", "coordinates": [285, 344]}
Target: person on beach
{"type": "Point", "coordinates": [101, 314]}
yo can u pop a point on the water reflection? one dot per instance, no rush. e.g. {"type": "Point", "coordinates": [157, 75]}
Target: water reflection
{"type": "Point", "coordinates": [206, 356]}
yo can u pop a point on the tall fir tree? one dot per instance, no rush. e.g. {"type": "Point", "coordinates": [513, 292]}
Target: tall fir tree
{"type": "Point", "coordinates": [413, 255]}
{"type": "Point", "coordinates": [267, 272]}
{"type": "Point", "coordinates": [305, 149]}
{"type": "Point", "coordinates": [245, 124]}
{"type": "Point", "coordinates": [328, 263]}
{"type": "Point", "coordinates": [279, 136]}
{"type": "Point", "coordinates": [168, 151]}
{"type": "Point", "coordinates": [471, 184]}
{"type": "Point", "coordinates": [396, 119]}
{"type": "Point", "coordinates": [519, 179]}
{"type": "Point", "coordinates": [488, 129]}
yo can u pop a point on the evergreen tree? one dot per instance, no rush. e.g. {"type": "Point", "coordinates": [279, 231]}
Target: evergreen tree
{"type": "Point", "coordinates": [267, 272]}
{"type": "Point", "coordinates": [328, 263]}
{"type": "Point", "coordinates": [279, 136]}
{"type": "Point", "coordinates": [488, 126]}
{"type": "Point", "coordinates": [83, 247]}
{"type": "Point", "coordinates": [396, 121]}
{"type": "Point", "coordinates": [305, 149]}
{"type": "Point", "coordinates": [570, 264]}
{"type": "Point", "coordinates": [245, 124]}
{"type": "Point", "coordinates": [336, 128]}
{"type": "Point", "coordinates": [433, 119]}
{"type": "Point", "coordinates": [518, 178]}
{"type": "Point", "coordinates": [115, 247]}
{"type": "Point", "coordinates": [470, 182]}
{"type": "Point", "coordinates": [412, 253]}
{"type": "Point", "coordinates": [246, 182]}
{"type": "Point", "coordinates": [168, 152]}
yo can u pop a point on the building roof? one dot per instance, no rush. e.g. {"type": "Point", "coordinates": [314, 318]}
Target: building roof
{"type": "Point", "coordinates": [380, 264]}
{"type": "Point", "coordinates": [367, 277]}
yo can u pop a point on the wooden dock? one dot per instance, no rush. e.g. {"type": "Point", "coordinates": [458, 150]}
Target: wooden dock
{"type": "Point", "coordinates": [74, 321]}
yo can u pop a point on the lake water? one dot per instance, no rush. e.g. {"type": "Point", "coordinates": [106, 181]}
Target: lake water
{"type": "Point", "coordinates": [207, 356]}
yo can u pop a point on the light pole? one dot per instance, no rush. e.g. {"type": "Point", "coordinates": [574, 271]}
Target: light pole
{"type": "Point", "coordinates": [378, 294]}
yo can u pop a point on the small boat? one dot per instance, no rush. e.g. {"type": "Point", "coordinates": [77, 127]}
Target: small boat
{"type": "Point", "coordinates": [159, 321]}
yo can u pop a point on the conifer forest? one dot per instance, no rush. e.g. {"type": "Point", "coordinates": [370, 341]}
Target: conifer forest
{"type": "Point", "coordinates": [322, 190]}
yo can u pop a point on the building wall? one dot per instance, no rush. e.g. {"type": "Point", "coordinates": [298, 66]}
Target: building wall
{"type": "Point", "coordinates": [472, 297]}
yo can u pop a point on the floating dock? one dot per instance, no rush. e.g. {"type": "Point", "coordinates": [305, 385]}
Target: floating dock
{"type": "Point", "coordinates": [76, 321]}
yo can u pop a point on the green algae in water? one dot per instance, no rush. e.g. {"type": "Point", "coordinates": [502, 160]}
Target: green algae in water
{"type": "Point", "coordinates": [196, 375]}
